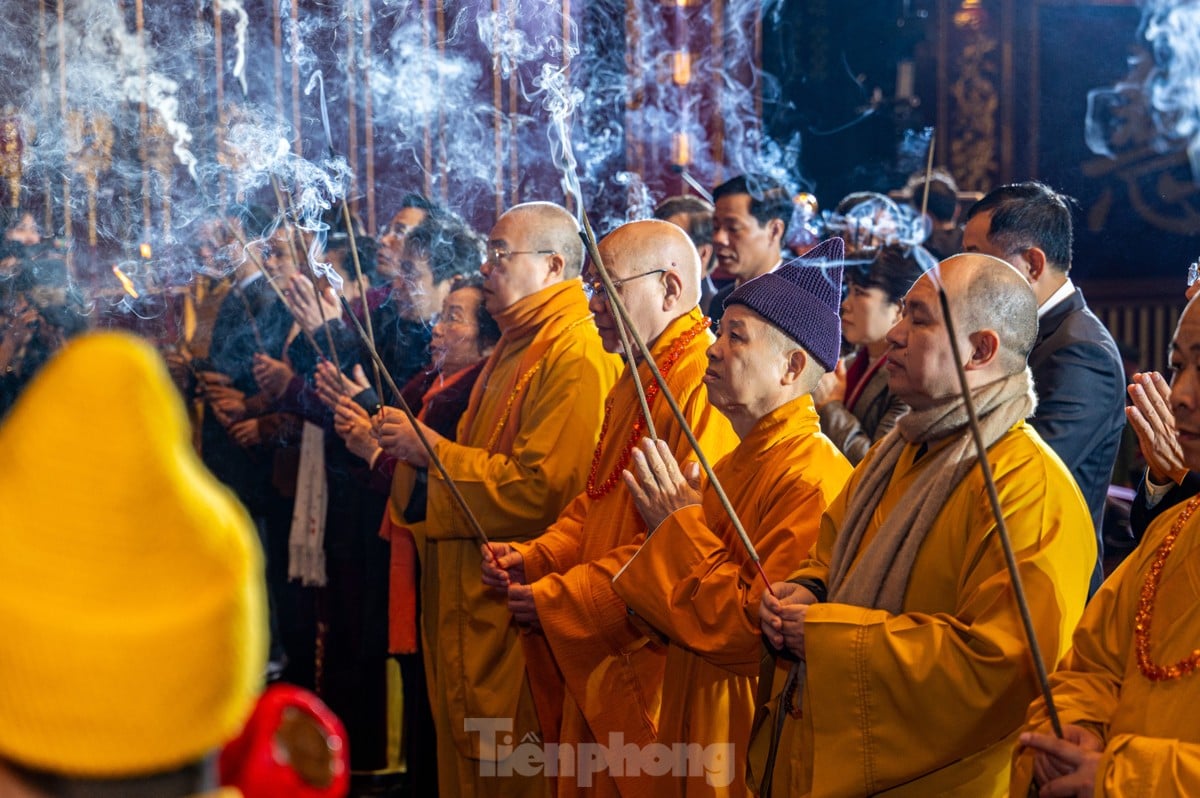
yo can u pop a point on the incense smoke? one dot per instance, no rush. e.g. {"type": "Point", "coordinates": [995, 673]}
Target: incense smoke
{"type": "Point", "coordinates": [429, 115]}
{"type": "Point", "coordinates": [1161, 91]}
{"type": "Point", "coordinates": [240, 25]}
{"type": "Point", "coordinates": [109, 67]}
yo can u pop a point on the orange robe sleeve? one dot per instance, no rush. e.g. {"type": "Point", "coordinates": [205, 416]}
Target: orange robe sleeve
{"type": "Point", "coordinates": [611, 671]}
{"type": "Point", "coordinates": [693, 579]}
{"type": "Point", "coordinates": [517, 495]}
{"type": "Point", "coordinates": [577, 594]}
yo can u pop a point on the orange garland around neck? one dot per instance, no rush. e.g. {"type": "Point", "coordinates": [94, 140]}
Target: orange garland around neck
{"type": "Point", "coordinates": [598, 491]}
{"type": "Point", "coordinates": [519, 389]}
{"type": "Point", "coordinates": [1145, 613]}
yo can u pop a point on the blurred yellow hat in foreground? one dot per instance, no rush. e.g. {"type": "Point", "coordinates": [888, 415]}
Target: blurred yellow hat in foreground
{"type": "Point", "coordinates": [132, 604]}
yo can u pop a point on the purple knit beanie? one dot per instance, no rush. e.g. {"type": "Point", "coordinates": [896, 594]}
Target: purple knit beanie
{"type": "Point", "coordinates": [802, 298]}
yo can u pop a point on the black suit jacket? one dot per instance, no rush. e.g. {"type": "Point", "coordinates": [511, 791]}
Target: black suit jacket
{"type": "Point", "coordinates": [234, 334]}
{"type": "Point", "coordinates": [1081, 400]}
{"type": "Point", "coordinates": [235, 340]}
{"type": "Point", "coordinates": [1141, 516]}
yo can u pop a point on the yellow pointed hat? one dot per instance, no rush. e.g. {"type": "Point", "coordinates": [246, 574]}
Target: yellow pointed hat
{"type": "Point", "coordinates": [132, 603]}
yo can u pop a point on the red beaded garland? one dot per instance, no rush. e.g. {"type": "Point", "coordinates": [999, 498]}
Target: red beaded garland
{"type": "Point", "coordinates": [1145, 613]}
{"type": "Point", "coordinates": [595, 491]}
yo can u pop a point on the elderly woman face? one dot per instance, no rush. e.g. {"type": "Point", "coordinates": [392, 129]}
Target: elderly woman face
{"type": "Point", "coordinates": [455, 344]}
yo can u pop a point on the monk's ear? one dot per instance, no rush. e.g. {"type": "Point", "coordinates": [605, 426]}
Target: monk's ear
{"type": "Point", "coordinates": [797, 359]}
{"type": "Point", "coordinates": [556, 269]}
{"type": "Point", "coordinates": [674, 289]}
{"type": "Point", "coordinates": [985, 349]}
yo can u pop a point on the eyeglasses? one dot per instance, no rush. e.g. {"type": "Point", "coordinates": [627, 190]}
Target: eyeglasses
{"type": "Point", "coordinates": [596, 287]}
{"type": "Point", "coordinates": [495, 255]}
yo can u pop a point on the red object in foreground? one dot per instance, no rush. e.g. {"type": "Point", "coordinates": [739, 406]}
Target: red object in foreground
{"type": "Point", "coordinates": [292, 746]}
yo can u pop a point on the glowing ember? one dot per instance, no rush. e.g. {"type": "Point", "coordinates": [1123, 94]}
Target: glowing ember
{"type": "Point", "coordinates": [681, 149]}
{"type": "Point", "coordinates": [145, 250]}
{"type": "Point", "coordinates": [126, 283]}
{"type": "Point", "coordinates": [681, 72]}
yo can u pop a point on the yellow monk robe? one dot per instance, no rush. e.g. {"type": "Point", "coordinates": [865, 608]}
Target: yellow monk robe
{"type": "Point", "coordinates": [1149, 729]}
{"type": "Point", "coordinates": [694, 581]}
{"type": "Point", "coordinates": [612, 672]}
{"type": "Point", "coordinates": [929, 702]}
{"type": "Point", "coordinates": [522, 453]}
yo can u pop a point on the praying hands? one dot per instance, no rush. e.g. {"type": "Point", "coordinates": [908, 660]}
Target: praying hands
{"type": "Point", "coordinates": [658, 486]}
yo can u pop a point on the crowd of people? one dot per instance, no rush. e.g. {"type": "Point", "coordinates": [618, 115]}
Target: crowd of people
{"type": "Point", "coordinates": [704, 516]}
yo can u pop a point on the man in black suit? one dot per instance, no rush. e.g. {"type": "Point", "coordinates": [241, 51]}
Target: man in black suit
{"type": "Point", "coordinates": [1076, 366]}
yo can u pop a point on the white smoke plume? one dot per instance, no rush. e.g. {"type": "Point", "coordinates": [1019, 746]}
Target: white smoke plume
{"type": "Point", "coordinates": [1162, 87]}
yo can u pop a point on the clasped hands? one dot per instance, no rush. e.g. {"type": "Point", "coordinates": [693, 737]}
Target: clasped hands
{"type": "Point", "coordinates": [272, 375]}
{"type": "Point", "coordinates": [781, 616]}
{"type": "Point", "coordinates": [504, 569]}
{"type": "Point", "coordinates": [310, 309]}
{"type": "Point", "coordinates": [1065, 768]}
{"type": "Point", "coordinates": [658, 487]}
{"type": "Point", "coordinates": [1153, 421]}
{"type": "Point", "coordinates": [397, 436]}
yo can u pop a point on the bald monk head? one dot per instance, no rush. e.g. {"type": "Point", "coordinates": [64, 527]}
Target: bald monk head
{"type": "Point", "coordinates": [995, 322]}
{"type": "Point", "coordinates": [532, 246]}
{"type": "Point", "coordinates": [656, 270]}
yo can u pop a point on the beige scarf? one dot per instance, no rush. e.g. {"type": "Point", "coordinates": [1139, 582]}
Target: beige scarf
{"type": "Point", "coordinates": [880, 579]}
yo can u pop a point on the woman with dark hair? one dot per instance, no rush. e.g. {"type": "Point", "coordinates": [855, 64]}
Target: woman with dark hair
{"type": "Point", "coordinates": [853, 400]}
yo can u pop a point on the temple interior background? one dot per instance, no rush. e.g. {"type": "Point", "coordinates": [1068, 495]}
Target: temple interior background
{"type": "Point", "coordinates": [126, 122]}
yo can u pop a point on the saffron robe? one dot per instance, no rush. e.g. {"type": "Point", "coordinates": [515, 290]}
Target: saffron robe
{"type": "Point", "coordinates": [611, 671]}
{"type": "Point", "coordinates": [1151, 738]}
{"type": "Point", "coordinates": [516, 488]}
{"type": "Point", "coordinates": [694, 581]}
{"type": "Point", "coordinates": [929, 701]}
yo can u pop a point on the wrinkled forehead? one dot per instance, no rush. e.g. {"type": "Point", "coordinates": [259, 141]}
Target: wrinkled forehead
{"type": "Point", "coordinates": [511, 230]}
{"type": "Point", "coordinates": [741, 318]}
{"type": "Point", "coordinates": [924, 294]}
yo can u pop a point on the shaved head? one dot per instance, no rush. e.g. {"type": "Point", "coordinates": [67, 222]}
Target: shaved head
{"type": "Point", "coordinates": [995, 324]}
{"type": "Point", "coordinates": [551, 227]}
{"type": "Point", "coordinates": [656, 244]}
{"type": "Point", "coordinates": [656, 271]}
{"type": "Point", "coordinates": [988, 293]}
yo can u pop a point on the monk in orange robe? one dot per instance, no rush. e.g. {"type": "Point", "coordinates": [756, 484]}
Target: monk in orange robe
{"type": "Point", "coordinates": [1127, 691]}
{"type": "Point", "coordinates": [561, 583]}
{"type": "Point", "coordinates": [907, 666]}
{"type": "Point", "coordinates": [521, 455]}
{"type": "Point", "coordinates": [693, 578]}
